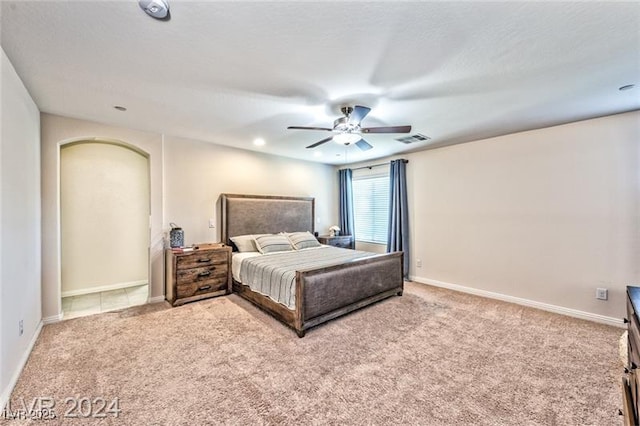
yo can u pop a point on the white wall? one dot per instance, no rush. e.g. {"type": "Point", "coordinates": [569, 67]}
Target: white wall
{"type": "Point", "coordinates": [104, 198]}
{"type": "Point", "coordinates": [19, 226]}
{"type": "Point", "coordinates": [196, 173]}
{"type": "Point", "coordinates": [544, 216]}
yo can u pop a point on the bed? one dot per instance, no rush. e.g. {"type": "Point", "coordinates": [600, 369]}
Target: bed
{"type": "Point", "coordinates": [320, 294]}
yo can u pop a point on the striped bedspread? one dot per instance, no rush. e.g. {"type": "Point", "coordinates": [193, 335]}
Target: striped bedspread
{"type": "Point", "coordinates": [274, 275]}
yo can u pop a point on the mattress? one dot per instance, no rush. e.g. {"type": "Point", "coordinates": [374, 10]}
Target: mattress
{"type": "Point", "coordinates": [274, 274]}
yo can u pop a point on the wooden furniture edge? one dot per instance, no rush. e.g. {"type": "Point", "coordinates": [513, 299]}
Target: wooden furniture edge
{"type": "Point", "coordinates": [180, 302]}
{"type": "Point", "coordinates": [629, 415]}
{"type": "Point", "coordinates": [265, 303]}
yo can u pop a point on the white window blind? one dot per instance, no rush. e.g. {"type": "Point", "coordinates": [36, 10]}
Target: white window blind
{"type": "Point", "coordinates": [371, 208]}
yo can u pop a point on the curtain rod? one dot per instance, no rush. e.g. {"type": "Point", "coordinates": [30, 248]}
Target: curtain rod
{"type": "Point", "coordinates": [378, 165]}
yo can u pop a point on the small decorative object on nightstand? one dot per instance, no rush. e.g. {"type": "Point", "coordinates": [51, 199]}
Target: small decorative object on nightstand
{"type": "Point", "coordinates": [344, 241]}
{"type": "Point", "coordinates": [196, 274]}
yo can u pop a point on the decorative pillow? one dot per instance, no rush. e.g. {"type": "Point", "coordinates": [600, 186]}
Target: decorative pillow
{"type": "Point", "coordinates": [244, 243]}
{"type": "Point", "coordinates": [272, 243]}
{"type": "Point", "coordinates": [302, 240]}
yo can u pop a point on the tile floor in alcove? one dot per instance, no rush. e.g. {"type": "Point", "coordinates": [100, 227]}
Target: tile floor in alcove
{"type": "Point", "coordinates": [94, 303]}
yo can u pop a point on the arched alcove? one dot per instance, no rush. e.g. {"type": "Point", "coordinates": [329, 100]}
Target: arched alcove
{"type": "Point", "coordinates": [104, 225]}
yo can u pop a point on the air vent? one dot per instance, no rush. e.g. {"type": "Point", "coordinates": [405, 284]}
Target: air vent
{"type": "Point", "coordinates": [413, 138]}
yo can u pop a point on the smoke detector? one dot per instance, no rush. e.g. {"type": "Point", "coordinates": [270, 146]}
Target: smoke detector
{"type": "Point", "coordinates": [158, 9]}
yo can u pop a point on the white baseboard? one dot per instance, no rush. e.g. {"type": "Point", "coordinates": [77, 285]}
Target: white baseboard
{"type": "Point", "coordinates": [52, 319]}
{"type": "Point", "coordinates": [109, 287]}
{"type": "Point", "coordinates": [156, 299]}
{"type": "Point", "coordinates": [6, 393]}
{"type": "Point", "coordinates": [616, 322]}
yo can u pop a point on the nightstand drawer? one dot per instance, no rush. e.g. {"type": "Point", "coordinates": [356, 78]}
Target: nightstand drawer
{"type": "Point", "coordinates": [201, 287]}
{"type": "Point", "coordinates": [633, 345]}
{"type": "Point", "coordinates": [184, 276]}
{"type": "Point", "coordinates": [342, 241]}
{"type": "Point", "coordinates": [200, 259]}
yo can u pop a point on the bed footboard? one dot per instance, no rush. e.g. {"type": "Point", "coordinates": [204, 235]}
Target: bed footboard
{"type": "Point", "coordinates": [326, 293]}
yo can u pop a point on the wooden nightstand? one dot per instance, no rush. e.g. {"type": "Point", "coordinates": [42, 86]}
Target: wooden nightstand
{"type": "Point", "coordinates": [344, 241]}
{"type": "Point", "coordinates": [199, 274]}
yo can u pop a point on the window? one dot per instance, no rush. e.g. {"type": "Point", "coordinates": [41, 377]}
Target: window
{"type": "Point", "coordinates": [371, 208]}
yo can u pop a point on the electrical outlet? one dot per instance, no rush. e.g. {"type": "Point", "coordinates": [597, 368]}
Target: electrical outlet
{"type": "Point", "coordinates": [212, 223]}
{"type": "Point", "coordinates": [21, 327]}
{"type": "Point", "coordinates": [419, 263]}
{"type": "Point", "coordinates": [602, 293]}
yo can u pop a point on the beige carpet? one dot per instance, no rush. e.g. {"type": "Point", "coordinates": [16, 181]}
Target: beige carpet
{"type": "Point", "coordinates": [430, 357]}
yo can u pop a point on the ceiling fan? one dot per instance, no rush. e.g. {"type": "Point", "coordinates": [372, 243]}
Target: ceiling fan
{"type": "Point", "coordinates": [348, 128]}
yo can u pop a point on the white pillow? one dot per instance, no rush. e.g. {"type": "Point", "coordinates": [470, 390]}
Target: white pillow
{"type": "Point", "coordinates": [272, 243]}
{"type": "Point", "coordinates": [302, 240]}
{"type": "Point", "coordinates": [244, 243]}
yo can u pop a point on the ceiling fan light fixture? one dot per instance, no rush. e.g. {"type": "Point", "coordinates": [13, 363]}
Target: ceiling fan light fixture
{"type": "Point", "coordinates": [348, 131]}
{"type": "Point", "coordinates": [346, 138]}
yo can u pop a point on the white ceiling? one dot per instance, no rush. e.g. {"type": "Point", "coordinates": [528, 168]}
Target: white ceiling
{"type": "Point", "coordinates": [229, 72]}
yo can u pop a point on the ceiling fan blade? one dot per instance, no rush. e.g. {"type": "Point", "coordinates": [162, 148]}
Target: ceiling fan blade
{"type": "Point", "coordinates": [309, 128]}
{"type": "Point", "coordinates": [320, 142]}
{"type": "Point", "coordinates": [359, 112]}
{"type": "Point", "coordinates": [387, 129]}
{"type": "Point", "coordinates": [363, 145]}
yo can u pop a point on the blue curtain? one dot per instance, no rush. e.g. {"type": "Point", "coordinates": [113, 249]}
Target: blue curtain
{"type": "Point", "coordinates": [398, 234]}
{"type": "Point", "coordinates": [346, 203]}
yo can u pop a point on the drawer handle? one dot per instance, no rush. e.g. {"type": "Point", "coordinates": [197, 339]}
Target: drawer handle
{"type": "Point", "coordinates": [204, 260]}
{"type": "Point", "coordinates": [204, 274]}
{"type": "Point", "coordinates": [204, 287]}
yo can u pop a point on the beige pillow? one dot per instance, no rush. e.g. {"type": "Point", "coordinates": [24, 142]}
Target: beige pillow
{"type": "Point", "coordinates": [244, 243]}
{"type": "Point", "coordinates": [272, 243]}
{"type": "Point", "coordinates": [302, 240]}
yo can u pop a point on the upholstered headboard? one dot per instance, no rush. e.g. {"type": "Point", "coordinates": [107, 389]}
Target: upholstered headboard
{"type": "Point", "coordinates": [265, 214]}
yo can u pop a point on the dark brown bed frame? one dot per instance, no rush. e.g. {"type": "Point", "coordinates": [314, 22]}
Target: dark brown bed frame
{"type": "Point", "coordinates": [322, 294]}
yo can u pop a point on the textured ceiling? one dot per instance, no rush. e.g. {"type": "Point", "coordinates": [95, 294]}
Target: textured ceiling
{"type": "Point", "coordinates": [229, 72]}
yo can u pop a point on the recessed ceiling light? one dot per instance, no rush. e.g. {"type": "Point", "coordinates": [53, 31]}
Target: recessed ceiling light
{"type": "Point", "coordinates": [627, 87]}
{"type": "Point", "coordinates": [158, 9]}
{"type": "Point", "coordinates": [120, 108]}
{"type": "Point", "coordinates": [259, 142]}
